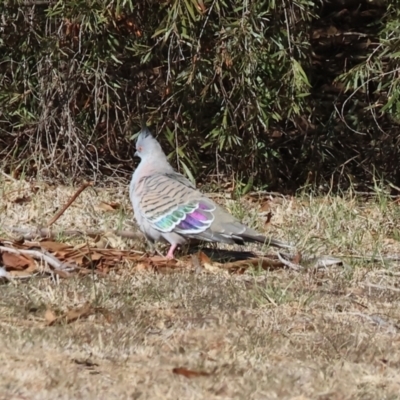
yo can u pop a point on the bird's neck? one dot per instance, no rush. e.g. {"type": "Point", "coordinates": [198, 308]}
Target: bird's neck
{"type": "Point", "coordinates": [151, 167]}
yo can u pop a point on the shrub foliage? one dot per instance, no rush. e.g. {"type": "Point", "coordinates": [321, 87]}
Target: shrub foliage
{"type": "Point", "coordinates": [279, 93]}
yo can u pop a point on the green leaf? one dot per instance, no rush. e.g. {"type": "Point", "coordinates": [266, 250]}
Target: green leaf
{"type": "Point", "coordinates": [189, 8]}
{"type": "Point", "coordinates": [187, 172]}
{"type": "Point", "coordinates": [115, 59]}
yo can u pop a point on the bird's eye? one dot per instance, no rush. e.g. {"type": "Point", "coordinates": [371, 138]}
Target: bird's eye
{"type": "Point", "coordinates": [139, 149]}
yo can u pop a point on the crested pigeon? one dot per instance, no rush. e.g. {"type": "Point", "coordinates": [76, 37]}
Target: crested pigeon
{"type": "Point", "coordinates": [168, 206]}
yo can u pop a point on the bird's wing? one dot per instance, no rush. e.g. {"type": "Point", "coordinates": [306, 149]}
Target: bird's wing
{"type": "Point", "coordinates": [170, 203]}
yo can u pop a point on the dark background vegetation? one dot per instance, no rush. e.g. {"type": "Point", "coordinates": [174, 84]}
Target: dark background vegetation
{"type": "Point", "coordinates": [279, 94]}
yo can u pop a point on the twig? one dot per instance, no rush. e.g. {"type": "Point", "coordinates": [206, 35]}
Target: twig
{"type": "Point", "coordinates": [374, 286]}
{"type": "Point", "coordinates": [30, 234]}
{"type": "Point", "coordinates": [373, 194]}
{"type": "Point", "coordinates": [371, 258]}
{"type": "Point", "coordinates": [267, 193]}
{"type": "Point", "coordinates": [66, 265]}
{"type": "Point", "coordinates": [70, 201]}
{"type": "Point", "coordinates": [52, 261]}
{"type": "Point", "coordinates": [37, 3]}
{"type": "Point", "coordinates": [387, 272]}
{"type": "Point", "coordinates": [219, 195]}
{"type": "Point", "coordinates": [289, 264]}
{"type": "Point", "coordinates": [327, 261]}
{"type": "Point", "coordinates": [265, 263]}
{"type": "Point", "coordinates": [8, 176]}
{"type": "Point", "coordinates": [376, 319]}
{"type": "Point", "coordinates": [21, 277]}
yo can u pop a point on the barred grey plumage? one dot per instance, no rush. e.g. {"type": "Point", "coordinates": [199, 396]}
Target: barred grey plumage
{"type": "Point", "coordinates": [168, 206]}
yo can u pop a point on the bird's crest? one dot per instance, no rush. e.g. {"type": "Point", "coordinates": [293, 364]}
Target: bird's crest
{"type": "Point", "coordinates": [144, 133]}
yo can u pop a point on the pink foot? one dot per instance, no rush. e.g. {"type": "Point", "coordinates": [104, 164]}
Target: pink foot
{"type": "Point", "coordinates": [170, 254]}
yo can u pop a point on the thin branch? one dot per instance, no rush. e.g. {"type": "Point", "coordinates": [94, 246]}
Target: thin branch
{"type": "Point", "coordinates": [341, 113]}
{"type": "Point", "coordinates": [203, 27]}
{"type": "Point", "coordinates": [380, 287]}
{"type": "Point", "coordinates": [70, 201]}
{"type": "Point", "coordinates": [327, 261]}
{"type": "Point", "coordinates": [66, 265]}
{"type": "Point", "coordinates": [264, 262]}
{"type": "Point", "coordinates": [372, 258]}
{"type": "Point", "coordinates": [295, 267]}
{"type": "Point", "coordinates": [376, 319]}
{"type": "Point", "coordinates": [30, 234]}
{"type": "Point", "coordinates": [37, 3]}
{"type": "Point", "coordinates": [52, 261]}
{"type": "Point", "coordinates": [8, 176]}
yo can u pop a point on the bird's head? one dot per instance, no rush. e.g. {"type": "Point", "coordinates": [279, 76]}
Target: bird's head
{"type": "Point", "coordinates": [147, 145]}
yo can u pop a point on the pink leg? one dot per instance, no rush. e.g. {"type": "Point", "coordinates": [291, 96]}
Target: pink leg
{"type": "Point", "coordinates": [171, 250]}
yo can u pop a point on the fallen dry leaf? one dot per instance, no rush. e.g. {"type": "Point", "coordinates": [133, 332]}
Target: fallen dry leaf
{"type": "Point", "coordinates": [104, 206]}
{"type": "Point", "coordinates": [204, 259]}
{"type": "Point", "coordinates": [78, 260]}
{"type": "Point", "coordinates": [211, 268]}
{"type": "Point", "coordinates": [61, 274]}
{"type": "Point", "coordinates": [141, 266]}
{"type": "Point", "coordinates": [103, 268]}
{"type": "Point", "coordinates": [21, 199]}
{"type": "Point", "coordinates": [109, 240]}
{"type": "Point", "coordinates": [297, 258]}
{"type": "Point", "coordinates": [49, 245]}
{"type": "Point", "coordinates": [265, 207]}
{"type": "Point", "coordinates": [160, 261]}
{"type": "Point", "coordinates": [269, 217]}
{"type": "Point", "coordinates": [18, 241]}
{"type": "Point", "coordinates": [265, 263]}
{"type": "Point", "coordinates": [82, 258]}
{"type": "Point", "coordinates": [17, 261]}
{"type": "Point", "coordinates": [188, 373]}
{"type": "Point", "coordinates": [81, 246]}
{"type": "Point", "coordinates": [207, 263]}
{"type": "Point", "coordinates": [78, 313]}
{"type": "Point", "coordinates": [100, 242]}
{"type": "Point", "coordinates": [196, 263]}
{"type": "Point", "coordinates": [88, 260]}
{"type": "Point", "coordinates": [94, 256]}
{"type": "Point", "coordinates": [62, 255]}
{"type": "Point", "coordinates": [20, 273]}
{"type": "Point", "coordinates": [50, 317]}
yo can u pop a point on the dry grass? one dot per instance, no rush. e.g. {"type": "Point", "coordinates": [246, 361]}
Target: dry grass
{"type": "Point", "coordinates": [326, 334]}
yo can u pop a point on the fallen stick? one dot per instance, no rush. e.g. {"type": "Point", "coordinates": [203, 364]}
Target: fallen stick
{"type": "Point", "coordinates": [287, 263]}
{"type": "Point", "coordinates": [67, 266]}
{"type": "Point", "coordinates": [8, 176]}
{"type": "Point", "coordinates": [70, 201]}
{"type": "Point", "coordinates": [263, 262]}
{"type": "Point", "coordinates": [381, 287]}
{"type": "Point", "coordinates": [376, 319]}
{"type": "Point", "coordinates": [29, 234]}
{"type": "Point", "coordinates": [51, 260]}
{"type": "Point", "coordinates": [372, 258]}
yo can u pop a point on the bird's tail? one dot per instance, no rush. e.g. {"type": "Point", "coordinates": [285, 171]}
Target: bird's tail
{"type": "Point", "coordinates": [250, 237]}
